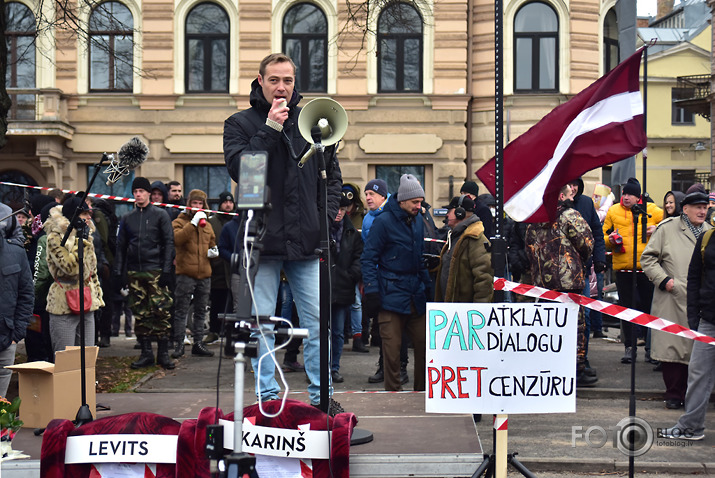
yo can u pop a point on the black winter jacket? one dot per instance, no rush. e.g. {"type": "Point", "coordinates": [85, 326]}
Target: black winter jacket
{"type": "Point", "coordinates": [701, 284]}
{"type": "Point", "coordinates": [345, 272]}
{"type": "Point", "coordinates": [145, 241]}
{"type": "Point", "coordinates": [293, 227]}
{"type": "Point", "coordinates": [584, 205]}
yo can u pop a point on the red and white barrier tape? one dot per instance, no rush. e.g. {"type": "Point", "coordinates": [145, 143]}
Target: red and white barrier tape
{"type": "Point", "coordinates": [617, 311]}
{"type": "Point", "coordinates": [118, 198]}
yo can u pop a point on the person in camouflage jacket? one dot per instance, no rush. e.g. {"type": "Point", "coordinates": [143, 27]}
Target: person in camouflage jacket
{"type": "Point", "coordinates": [558, 252]}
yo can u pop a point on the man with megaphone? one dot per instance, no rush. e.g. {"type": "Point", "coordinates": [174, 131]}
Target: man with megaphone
{"type": "Point", "coordinates": [293, 224]}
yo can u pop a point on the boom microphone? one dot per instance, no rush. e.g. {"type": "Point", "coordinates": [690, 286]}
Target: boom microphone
{"type": "Point", "coordinates": [130, 155]}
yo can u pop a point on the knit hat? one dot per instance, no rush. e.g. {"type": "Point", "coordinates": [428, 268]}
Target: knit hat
{"type": "Point", "coordinates": [470, 187]}
{"type": "Point", "coordinates": [197, 195]}
{"type": "Point", "coordinates": [141, 183]}
{"type": "Point", "coordinates": [694, 198]}
{"type": "Point", "coordinates": [225, 196]}
{"type": "Point", "coordinates": [377, 185]}
{"type": "Point", "coordinates": [487, 199]}
{"type": "Point", "coordinates": [711, 197]}
{"type": "Point", "coordinates": [632, 187]}
{"type": "Point", "coordinates": [45, 211]}
{"type": "Point", "coordinates": [68, 208]}
{"type": "Point", "coordinates": [38, 202]}
{"type": "Point", "coordinates": [409, 188]}
{"type": "Point", "coordinates": [697, 187]}
{"type": "Point", "coordinates": [345, 201]}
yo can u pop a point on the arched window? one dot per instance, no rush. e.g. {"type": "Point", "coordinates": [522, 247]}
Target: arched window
{"type": "Point", "coordinates": [536, 49]}
{"type": "Point", "coordinates": [399, 40]}
{"type": "Point", "coordinates": [305, 41]}
{"type": "Point", "coordinates": [111, 44]}
{"type": "Point", "coordinates": [207, 43]}
{"type": "Point", "coordinates": [611, 52]}
{"type": "Point", "coordinates": [20, 73]}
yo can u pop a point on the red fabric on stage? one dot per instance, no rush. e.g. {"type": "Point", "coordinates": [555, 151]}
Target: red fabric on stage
{"type": "Point", "coordinates": [54, 441]}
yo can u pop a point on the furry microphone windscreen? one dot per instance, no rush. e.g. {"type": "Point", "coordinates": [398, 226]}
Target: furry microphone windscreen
{"type": "Point", "coordinates": [133, 153]}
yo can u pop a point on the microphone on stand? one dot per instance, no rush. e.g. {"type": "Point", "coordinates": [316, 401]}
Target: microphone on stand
{"type": "Point", "coordinates": [130, 156]}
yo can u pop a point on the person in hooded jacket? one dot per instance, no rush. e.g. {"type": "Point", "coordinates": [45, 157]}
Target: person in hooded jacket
{"type": "Point", "coordinates": [159, 193]}
{"type": "Point", "coordinates": [672, 204]}
{"type": "Point", "coordinates": [292, 233]}
{"type": "Point", "coordinates": [17, 298]}
{"type": "Point", "coordinates": [345, 273]}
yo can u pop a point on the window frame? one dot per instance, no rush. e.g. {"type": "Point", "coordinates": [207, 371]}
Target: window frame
{"type": "Point", "coordinates": [303, 74]}
{"type": "Point", "coordinates": [206, 184]}
{"type": "Point", "coordinates": [678, 115]}
{"type": "Point", "coordinates": [208, 55]}
{"type": "Point", "coordinates": [535, 41]}
{"type": "Point", "coordinates": [608, 43]}
{"type": "Point", "coordinates": [399, 54]}
{"type": "Point", "coordinates": [129, 33]}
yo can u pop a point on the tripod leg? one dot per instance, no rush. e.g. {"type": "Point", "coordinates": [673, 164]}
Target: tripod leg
{"type": "Point", "coordinates": [486, 465]}
{"type": "Point", "coordinates": [520, 467]}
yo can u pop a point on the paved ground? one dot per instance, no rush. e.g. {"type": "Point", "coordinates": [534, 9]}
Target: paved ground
{"type": "Point", "coordinates": [440, 445]}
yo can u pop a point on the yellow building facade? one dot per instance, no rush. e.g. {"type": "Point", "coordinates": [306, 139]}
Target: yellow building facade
{"type": "Point", "coordinates": [431, 112]}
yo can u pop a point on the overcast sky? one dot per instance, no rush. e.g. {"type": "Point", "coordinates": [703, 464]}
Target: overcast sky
{"type": "Point", "coordinates": [648, 8]}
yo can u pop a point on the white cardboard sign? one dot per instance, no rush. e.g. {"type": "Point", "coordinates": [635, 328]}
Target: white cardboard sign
{"type": "Point", "coordinates": [501, 358]}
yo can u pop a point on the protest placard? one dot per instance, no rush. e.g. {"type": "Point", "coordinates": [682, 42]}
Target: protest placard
{"type": "Point", "coordinates": [501, 358]}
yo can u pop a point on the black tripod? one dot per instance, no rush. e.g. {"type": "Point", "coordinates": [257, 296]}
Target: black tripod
{"type": "Point", "coordinates": [84, 415]}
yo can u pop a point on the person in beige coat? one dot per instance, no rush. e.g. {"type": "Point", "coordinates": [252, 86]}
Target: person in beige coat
{"type": "Point", "coordinates": [665, 261]}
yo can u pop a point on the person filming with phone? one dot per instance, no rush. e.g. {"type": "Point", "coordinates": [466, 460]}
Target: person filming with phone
{"type": "Point", "coordinates": [292, 234]}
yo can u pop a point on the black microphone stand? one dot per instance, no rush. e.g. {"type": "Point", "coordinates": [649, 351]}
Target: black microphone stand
{"type": "Point", "coordinates": [84, 415]}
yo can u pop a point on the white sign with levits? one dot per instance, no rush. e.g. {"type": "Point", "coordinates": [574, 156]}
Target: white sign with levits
{"type": "Point", "coordinates": [121, 449]}
{"type": "Point", "coordinates": [501, 358]}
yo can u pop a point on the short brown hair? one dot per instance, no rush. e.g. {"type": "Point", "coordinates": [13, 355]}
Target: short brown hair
{"type": "Point", "coordinates": [274, 58]}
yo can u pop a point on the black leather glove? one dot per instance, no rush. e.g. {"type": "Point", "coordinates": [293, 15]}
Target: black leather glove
{"type": "Point", "coordinates": [166, 279]}
{"type": "Point", "coordinates": [371, 304]}
{"type": "Point", "coordinates": [599, 267]}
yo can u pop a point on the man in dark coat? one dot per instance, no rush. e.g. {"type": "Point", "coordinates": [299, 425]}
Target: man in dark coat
{"type": "Point", "coordinates": [143, 262]}
{"type": "Point", "coordinates": [471, 189]}
{"type": "Point", "coordinates": [293, 226]}
{"type": "Point", "coordinates": [584, 205]}
{"type": "Point", "coordinates": [396, 280]}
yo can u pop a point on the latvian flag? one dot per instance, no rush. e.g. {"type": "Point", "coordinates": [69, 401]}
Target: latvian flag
{"type": "Point", "coordinates": [601, 125]}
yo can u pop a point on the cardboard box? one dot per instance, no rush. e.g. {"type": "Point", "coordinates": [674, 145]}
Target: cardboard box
{"type": "Point", "coordinates": [52, 391]}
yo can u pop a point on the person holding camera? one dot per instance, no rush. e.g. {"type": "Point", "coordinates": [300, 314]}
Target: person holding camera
{"type": "Point", "coordinates": [292, 237]}
{"type": "Point", "coordinates": [618, 236]}
{"type": "Point", "coordinates": [143, 262]}
{"type": "Point", "coordinates": [195, 244]}
{"type": "Point", "coordinates": [63, 264]}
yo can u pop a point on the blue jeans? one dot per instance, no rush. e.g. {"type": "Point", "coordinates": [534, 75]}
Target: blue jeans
{"type": "Point", "coordinates": [304, 279]}
{"type": "Point", "coordinates": [337, 338]}
{"type": "Point", "coordinates": [356, 312]}
{"type": "Point", "coordinates": [286, 300]}
{"type": "Point", "coordinates": [587, 316]}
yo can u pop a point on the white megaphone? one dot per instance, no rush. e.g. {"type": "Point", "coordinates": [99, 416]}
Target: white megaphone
{"type": "Point", "coordinates": [328, 115]}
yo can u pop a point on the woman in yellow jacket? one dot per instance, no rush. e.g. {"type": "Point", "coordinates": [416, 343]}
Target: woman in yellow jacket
{"type": "Point", "coordinates": [619, 237]}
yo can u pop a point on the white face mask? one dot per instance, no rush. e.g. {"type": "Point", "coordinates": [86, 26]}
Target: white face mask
{"type": "Point", "coordinates": [493, 210]}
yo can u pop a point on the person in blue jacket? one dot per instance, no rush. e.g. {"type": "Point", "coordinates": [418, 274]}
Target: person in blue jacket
{"type": "Point", "coordinates": [396, 280]}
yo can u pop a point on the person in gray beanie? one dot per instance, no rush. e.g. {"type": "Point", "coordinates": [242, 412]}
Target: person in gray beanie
{"type": "Point", "coordinates": [410, 188]}
{"type": "Point", "coordinates": [396, 280]}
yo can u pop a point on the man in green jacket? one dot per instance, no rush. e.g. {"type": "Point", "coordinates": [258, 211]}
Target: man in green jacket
{"type": "Point", "coordinates": [465, 271]}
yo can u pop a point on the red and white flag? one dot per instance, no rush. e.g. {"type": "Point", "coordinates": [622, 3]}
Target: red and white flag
{"type": "Point", "coordinates": [601, 125]}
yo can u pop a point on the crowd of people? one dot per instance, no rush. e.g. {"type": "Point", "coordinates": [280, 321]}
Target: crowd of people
{"type": "Point", "coordinates": [158, 266]}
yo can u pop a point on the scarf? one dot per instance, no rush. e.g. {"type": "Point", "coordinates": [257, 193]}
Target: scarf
{"type": "Point", "coordinates": [696, 230]}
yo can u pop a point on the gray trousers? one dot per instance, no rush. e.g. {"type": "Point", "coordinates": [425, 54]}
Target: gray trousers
{"type": "Point", "coordinates": [64, 330]}
{"type": "Point", "coordinates": [7, 357]}
{"type": "Point", "coordinates": [701, 379]}
{"type": "Point", "coordinates": [186, 287]}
